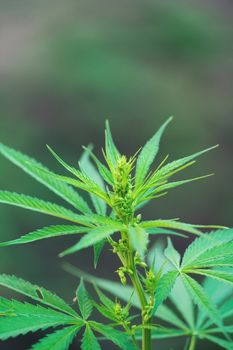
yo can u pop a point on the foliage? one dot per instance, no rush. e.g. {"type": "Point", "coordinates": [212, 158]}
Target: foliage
{"type": "Point", "coordinates": [118, 190]}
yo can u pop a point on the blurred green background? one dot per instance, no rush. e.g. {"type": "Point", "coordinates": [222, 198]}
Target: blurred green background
{"type": "Point", "coordinates": [67, 66]}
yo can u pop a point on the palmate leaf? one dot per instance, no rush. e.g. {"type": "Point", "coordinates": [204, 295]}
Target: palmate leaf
{"type": "Point", "coordinates": [177, 165]}
{"type": "Point", "coordinates": [172, 254]}
{"type": "Point", "coordinates": [88, 168]}
{"type": "Point", "coordinates": [89, 341]}
{"type": "Point", "coordinates": [139, 239]}
{"type": "Point", "coordinates": [84, 301]}
{"type": "Point", "coordinates": [205, 243]}
{"type": "Point", "coordinates": [30, 318]}
{"type": "Point", "coordinates": [202, 300]}
{"type": "Point", "coordinates": [37, 293]}
{"type": "Point", "coordinates": [39, 205]}
{"type": "Point", "coordinates": [47, 232]}
{"type": "Point", "coordinates": [125, 293]}
{"type": "Point", "coordinates": [120, 339]}
{"type": "Point", "coordinates": [163, 288]}
{"type": "Point", "coordinates": [216, 274]}
{"type": "Point", "coordinates": [41, 174]}
{"type": "Point", "coordinates": [93, 237]}
{"type": "Point", "coordinates": [59, 340]}
{"type": "Point", "coordinates": [172, 224]}
{"type": "Point", "coordinates": [148, 154]}
{"type": "Point", "coordinates": [111, 152]}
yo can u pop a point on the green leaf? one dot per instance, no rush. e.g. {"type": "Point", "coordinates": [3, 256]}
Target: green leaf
{"type": "Point", "coordinates": [139, 239]}
{"type": "Point", "coordinates": [41, 206]}
{"type": "Point", "coordinates": [177, 165]}
{"type": "Point", "coordinates": [89, 169]}
{"type": "Point", "coordinates": [35, 292]}
{"type": "Point", "coordinates": [217, 274]}
{"type": "Point", "coordinates": [170, 224]}
{"type": "Point", "coordinates": [89, 341]}
{"type": "Point", "coordinates": [221, 342]}
{"type": "Point", "coordinates": [172, 254]}
{"type": "Point", "coordinates": [93, 237]}
{"type": "Point", "coordinates": [161, 231]}
{"type": "Point", "coordinates": [59, 340]}
{"type": "Point", "coordinates": [118, 338]}
{"type": "Point", "coordinates": [112, 154]}
{"type": "Point", "coordinates": [30, 318]}
{"type": "Point", "coordinates": [46, 232]}
{"type": "Point", "coordinates": [148, 154]}
{"type": "Point", "coordinates": [117, 289]}
{"type": "Point", "coordinates": [41, 174]}
{"type": "Point", "coordinates": [98, 247]}
{"type": "Point", "coordinates": [84, 301]}
{"type": "Point", "coordinates": [202, 299]}
{"type": "Point", "coordinates": [163, 288]}
{"type": "Point", "coordinates": [182, 301]}
{"type": "Point", "coordinates": [205, 243]}
{"type": "Point", "coordinates": [105, 173]}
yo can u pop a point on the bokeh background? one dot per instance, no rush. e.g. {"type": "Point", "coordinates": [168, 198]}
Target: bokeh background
{"type": "Point", "coordinates": [66, 66]}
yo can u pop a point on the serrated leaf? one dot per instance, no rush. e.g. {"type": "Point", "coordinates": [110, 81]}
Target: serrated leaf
{"type": "Point", "coordinates": [118, 338]}
{"type": "Point", "coordinates": [139, 239]}
{"type": "Point", "coordinates": [84, 301]}
{"type": "Point", "coordinates": [41, 174]}
{"type": "Point", "coordinates": [98, 247]}
{"type": "Point", "coordinates": [172, 224]}
{"type": "Point", "coordinates": [88, 168]}
{"type": "Point", "coordinates": [89, 341]}
{"type": "Point", "coordinates": [217, 274]}
{"type": "Point", "coordinates": [93, 237]}
{"type": "Point", "coordinates": [148, 154]}
{"type": "Point", "coordinates": [202, 299]}
{"type": "Point", "coordinates": [46, 232]}
{"type": "Point", "coordinates": [35, 292]}
{"type": "Point", "coordinates": [163, 288]}
{"type": "Point", "coordinates": [59, 340]}
{"type": "Point", "coordinates": [39, 205]}
{"type": "Point", "coordinates": [221, 342]}
{"type": "Point", "coordinates": [112, 154]}
{"type": "Point", "coordinates": [172, 254]}
{"type": "Point", "coordinates": [204, 243]}
{"type": "Point", "coordinates": [30, 318]}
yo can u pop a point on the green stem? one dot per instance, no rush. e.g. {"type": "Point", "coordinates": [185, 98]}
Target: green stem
{"type": "Point", "coordinates": [192, 344]}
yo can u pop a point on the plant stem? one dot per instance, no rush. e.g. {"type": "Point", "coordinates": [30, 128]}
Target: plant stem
{"type": "Point", "coordinates": [192, 344]}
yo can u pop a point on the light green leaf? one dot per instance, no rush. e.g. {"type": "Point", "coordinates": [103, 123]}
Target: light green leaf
{"type": "Point", "coordinates": [172, 224]}
{"type": "Point", "coordinates": [118, 338]}
{"type": "Point", "coordinates": [139, 239]}
{"type": "Point", "coordinates": [35, 204]}
{"type": "Point", "coordinates": [93, 237]}
{"type": "Point", "coordinates": [84, 301]}
{"type": "Point", "coordinates": [202, 299]}
{"type": "Point", "coordinates": [42, 174]}
{"type": "Point", "coordinates": [172, 254]}
{"type": "Point", "coordinates": [59, 340]}
{"type": "Point", "coordinates": [89, 169]}
{"type": "Point", "coordinates": [35, 292]}
{"type": "Point", "coordinates": [163, 288]}
{"type": "Point", "coordinates": [46, 232]}
{"type": "Point", "coordinates": [148, 154]}
{"type": "Point", "coordinates": [89, 341]}
{"type": "Point", "coordinates": [216, 274]}
{"type": "Point", "coordinates": [204, 243]}
{"type": "Point", "coordinates": [112, 154]}
{"type": "Point", "coordinates": [221, 342]}
{"type": "Point", "coordinates": [161, 231]}
{"type": "Point", "coordinates": [30, 318]}
{"type": "Point", "coordinates": [98, 247]}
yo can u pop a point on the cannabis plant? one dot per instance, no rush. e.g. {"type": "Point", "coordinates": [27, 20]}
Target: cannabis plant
{"type": "Point", "coordinates": [149, 275]}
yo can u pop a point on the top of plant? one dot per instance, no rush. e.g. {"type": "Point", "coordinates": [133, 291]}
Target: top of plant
{"type": "Point", "coordinates": [118, 190]}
